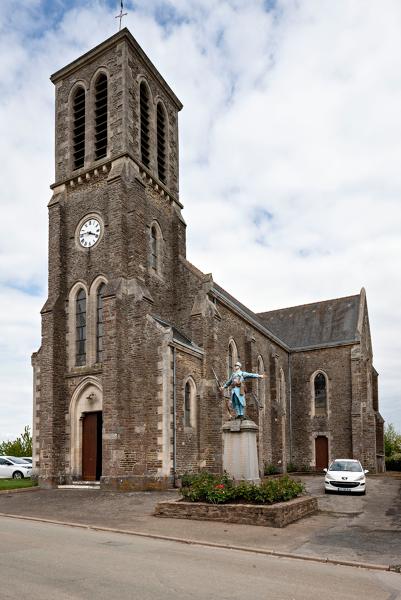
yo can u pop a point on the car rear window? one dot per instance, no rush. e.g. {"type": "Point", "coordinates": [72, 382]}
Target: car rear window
{"type": "Point", "coordinates": [345, 465]}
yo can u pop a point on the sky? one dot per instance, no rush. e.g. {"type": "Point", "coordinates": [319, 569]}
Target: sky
{"type": "Point", "coordinates": [290, 156]}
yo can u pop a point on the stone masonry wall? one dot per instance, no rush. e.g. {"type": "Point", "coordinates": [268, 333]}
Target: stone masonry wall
{"type": "Point", "coordinates": [335, 363]}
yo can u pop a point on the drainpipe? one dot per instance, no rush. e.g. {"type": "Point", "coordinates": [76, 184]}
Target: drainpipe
{"type": "Point", "coordinates": [174, 420]}
{"type": "Point", "coordinates": [290, 402]}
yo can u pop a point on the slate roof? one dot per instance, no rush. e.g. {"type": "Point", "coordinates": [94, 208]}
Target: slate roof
{"type": "Point", "coordinates": [178, 336]}
{"type": "Point", "coordinates": [324, 323]}
{"type": "Point", "coordinates": [248, 312]}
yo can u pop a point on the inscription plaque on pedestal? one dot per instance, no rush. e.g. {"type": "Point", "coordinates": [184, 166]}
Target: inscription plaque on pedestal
{"type": "Point", "coordinates": [240, 455]}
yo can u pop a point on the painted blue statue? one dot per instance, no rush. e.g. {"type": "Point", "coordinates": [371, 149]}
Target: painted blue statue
{"type": "Point", "coordinates": [237, 383]}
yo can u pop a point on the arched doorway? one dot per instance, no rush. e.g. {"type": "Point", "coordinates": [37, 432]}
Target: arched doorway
{"type": "Point", "coordinates": [86, 430]}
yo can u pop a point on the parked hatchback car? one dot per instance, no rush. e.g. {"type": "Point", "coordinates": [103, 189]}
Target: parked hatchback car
{"type": "Point", "coordinates": [345, 475]}
{"type": "Point", "coordinates": [12, 467]}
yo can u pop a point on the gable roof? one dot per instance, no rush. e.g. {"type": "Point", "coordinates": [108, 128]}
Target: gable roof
{"type": "Point", "coordinates": [326, 323]}
{"type": "Point", "coordinates": [247, 313]}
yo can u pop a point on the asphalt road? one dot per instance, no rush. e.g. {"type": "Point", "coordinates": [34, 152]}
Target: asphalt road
{"type": "Point", "coordinates": [45, 561]}
{"type": "Point", "coordinates": [357, 528]}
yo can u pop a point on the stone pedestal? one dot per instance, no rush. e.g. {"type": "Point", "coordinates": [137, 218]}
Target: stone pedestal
{"type": "Point", "coordinates": [240, 454]}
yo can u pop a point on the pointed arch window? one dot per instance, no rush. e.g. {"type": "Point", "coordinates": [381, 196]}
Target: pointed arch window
{"type": "Point", "coordinates": [99, 323]}
{"type": "Point", "coordinates": [144, 114]}
{"type": "Point", "coordinates": [153, 247]}
{"type": "Point", "coordinates": [260, 383]}
{"type": "Point", "coordinates": [320, 389]}
{"type": "Point", "coordinates": [101, 116]}
{"type": "Point", "coordinates": [187, 405]}
{"type": "Point", "coordinates": [232, 356]}
{"type": "Point", "coordinates": [190, 404]}
{"type": "Point", "coordinates": [161, 142]}
{"type": "Point", "coordinates": [80, 319]}
{"type": "Point", "coordinates": [283, 392]}
{"type": "Point", "coordinates": [78, 130]}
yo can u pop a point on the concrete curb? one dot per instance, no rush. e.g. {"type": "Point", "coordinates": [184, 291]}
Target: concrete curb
{"type": "Point", "coordinates": [155, 536]}
{"type": "Point", "coordinates": [19, 490]}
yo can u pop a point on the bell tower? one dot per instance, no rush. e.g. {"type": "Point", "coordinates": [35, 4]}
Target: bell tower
{"type": "Point", "coordinates": [115, 237]}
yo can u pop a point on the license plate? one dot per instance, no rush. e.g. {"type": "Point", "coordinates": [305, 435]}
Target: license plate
{"type": "Point", "coordinates": [344, 489]}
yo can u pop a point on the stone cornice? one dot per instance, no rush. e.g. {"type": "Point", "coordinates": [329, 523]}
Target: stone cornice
{"type": "Point", "coordinates": [194, 351]}
{"type": "Point", "coordinates": [85, 175]}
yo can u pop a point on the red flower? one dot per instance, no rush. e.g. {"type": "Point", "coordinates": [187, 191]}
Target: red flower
{"type": "Point", "coordinates": [220, 486]}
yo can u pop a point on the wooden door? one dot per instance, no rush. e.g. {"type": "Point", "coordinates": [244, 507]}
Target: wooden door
{"type": "Point", "coordinates": [321, 452]}
{"type": "Point", "coordinates": [91, 446]}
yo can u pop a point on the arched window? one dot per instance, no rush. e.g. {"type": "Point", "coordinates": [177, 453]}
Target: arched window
{"type": "Point", "coordinates": [320, 388]}
{"type": "Point", "coordinates": [144, 111]}
{"type": "Point", "coordinates": [232, 356]}
{"type": "Point", "coordinates": [80, 320]}
{"type": "Point", "coordinates": [99, 323]}
{"type": "Point", "coordinates": [190, 404]}
{"type": "Point", "coordinates": [161, 143]}
{"type": "Point", "coordinates": [187, 405]}
{"type": "Point", "coordinates": [260, 383]}
{"type": "Point", "coordinates": [283, 392]}
{"type": "Point", "coordinates": [78, 129]}
{"type": "Point", "coordinates": [153, 247]}
{"type": "Point", "coordinates": [101, 116]}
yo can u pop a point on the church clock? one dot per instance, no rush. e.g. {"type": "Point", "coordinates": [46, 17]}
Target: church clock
{"type": "Point", "coordinates": [89, 232]}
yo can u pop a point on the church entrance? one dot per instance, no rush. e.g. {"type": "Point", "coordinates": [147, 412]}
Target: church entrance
{"type": "Point", "coordinates": [92, 446]}
{"type": "Point", "coordinates": [321, 452]}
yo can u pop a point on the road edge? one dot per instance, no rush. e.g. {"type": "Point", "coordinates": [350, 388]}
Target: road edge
{"type": "Point", "coordinates": [189, 541]}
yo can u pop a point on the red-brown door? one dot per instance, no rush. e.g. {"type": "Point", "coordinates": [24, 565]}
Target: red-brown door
{"type": "Point", "coordinates": [92, 446]}
{"type": "Point", "coordinates": [322, 452]}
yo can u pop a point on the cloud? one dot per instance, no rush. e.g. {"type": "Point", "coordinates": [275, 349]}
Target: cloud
{"type": "Point", "coordinates": [290, 142]}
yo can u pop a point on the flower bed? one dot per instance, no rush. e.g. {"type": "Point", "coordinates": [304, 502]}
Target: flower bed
{"type": "Point", "coordinates": [220, 489]}
{"type": "Point", "coordinates": [207, 497]}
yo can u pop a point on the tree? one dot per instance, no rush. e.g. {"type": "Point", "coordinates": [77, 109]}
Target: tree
{"type": "Point", "coordinates": [22, 446]}
{"type": "Point", "coordinates": [392, 441]}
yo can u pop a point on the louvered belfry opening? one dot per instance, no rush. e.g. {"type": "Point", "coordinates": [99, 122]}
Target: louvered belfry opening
{"type": "Point", "coordinates": [144, 107]}
{"type": "Point", "coordinates": [78, 134]}
{"type": "Point", "coordinates": [161, 143]}
{"type": "Point", "coordinates": [101, 117]}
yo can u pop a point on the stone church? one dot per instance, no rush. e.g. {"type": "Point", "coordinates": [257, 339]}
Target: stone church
{"type": "Point", "coordinates": [124, 390]}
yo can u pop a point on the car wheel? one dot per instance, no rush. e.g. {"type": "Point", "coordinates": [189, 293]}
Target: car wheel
{"type": "Point", "coordinates": [18, 475]}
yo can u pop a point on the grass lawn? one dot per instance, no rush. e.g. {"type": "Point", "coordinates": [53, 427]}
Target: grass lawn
{"type": "Point", "coordinates": [11, 484]}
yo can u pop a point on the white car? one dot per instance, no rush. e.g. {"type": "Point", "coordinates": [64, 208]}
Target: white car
{"type": "Point", "coordinates": [345, 475]}
{"type": "Point", "coordinates": [15, 468]}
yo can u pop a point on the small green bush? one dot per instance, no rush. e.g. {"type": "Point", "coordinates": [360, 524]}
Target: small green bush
{"type": "Point", "coordinates": [271, 470]}
{"type": "Point", "coordinates": [206, 487]}
{"type": "Point", "coordinates": [393, 463]}
{"type": "Point", "coordinates": [219, 489]}
{"type": "Point", "coordinates": [291, 468]}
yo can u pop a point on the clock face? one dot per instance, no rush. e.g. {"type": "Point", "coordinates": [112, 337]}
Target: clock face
{"type": "Point", "coordinates": [89, 233]}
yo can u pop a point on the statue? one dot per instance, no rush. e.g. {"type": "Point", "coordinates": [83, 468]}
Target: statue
{"type": "Point", "coordinates": [237, 383]}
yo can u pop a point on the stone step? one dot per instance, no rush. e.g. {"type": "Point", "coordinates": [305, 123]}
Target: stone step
{"type": "Point", "coordinates": [81, 485]}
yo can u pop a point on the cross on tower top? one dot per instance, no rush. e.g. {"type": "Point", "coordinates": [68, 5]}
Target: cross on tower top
{"type": "Point", "coordinates": [121, 15]}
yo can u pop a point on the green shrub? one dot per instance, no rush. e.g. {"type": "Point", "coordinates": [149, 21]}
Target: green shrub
{"type": "Point", "coordinates": [393, 463]}
{"type": "Point", "coordinates": [206, 487]}
{"type": "Point", "coordinates": [291, 468]}
{"type": "Point", "coordinates": [218, 489]}
{"type": "Point", "coordinates": [271, 470]}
